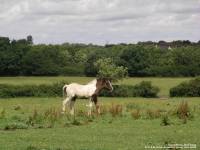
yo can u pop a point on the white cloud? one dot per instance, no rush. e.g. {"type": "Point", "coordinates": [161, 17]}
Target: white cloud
{"type": "Point", "coordinates": [100, 21]}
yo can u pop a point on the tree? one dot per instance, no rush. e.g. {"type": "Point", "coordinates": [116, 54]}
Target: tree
{"type": "Point", "coordinates": [107, 69]}
{"type": "Point", "coordinates": [29, 39]}
{"type": "Point", "coordinates": [135, 59]}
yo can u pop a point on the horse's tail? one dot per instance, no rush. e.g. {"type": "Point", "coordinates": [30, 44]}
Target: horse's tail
{"type": "Point", "coordinates": [64, 91]}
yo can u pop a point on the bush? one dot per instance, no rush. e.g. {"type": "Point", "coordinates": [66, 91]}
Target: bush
{"type": "Point", "coordinates": [31, 90]}
{"type": "Point", "coordinates": [144, 89]}
{"type": "Point", "coordinates": [187, 89]}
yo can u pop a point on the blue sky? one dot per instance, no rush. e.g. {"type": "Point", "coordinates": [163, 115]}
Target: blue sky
{"type": "Point", "coordinates": [100, 21]}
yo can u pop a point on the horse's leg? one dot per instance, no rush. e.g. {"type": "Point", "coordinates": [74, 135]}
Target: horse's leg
{"type": "Point", "coordinates": [95, 100]}
{"type": "Point", "coordinates": [66, 102]}
{"type": "Point", "coordinates": [71, 105]}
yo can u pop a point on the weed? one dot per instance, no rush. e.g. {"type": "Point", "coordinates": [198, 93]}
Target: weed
{"type": "Point", "coordinates": [165, 120]}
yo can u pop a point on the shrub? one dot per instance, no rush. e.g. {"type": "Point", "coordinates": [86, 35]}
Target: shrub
{"type": "Point", "coordinates": [144, 89]}
{"type": "Point", "coordinates": [187, 89]}
{"type": "Point", "coordinates": [31, 90]}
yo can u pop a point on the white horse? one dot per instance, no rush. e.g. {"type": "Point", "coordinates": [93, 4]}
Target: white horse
{"type": "Point", "coordinates": [90, 90]}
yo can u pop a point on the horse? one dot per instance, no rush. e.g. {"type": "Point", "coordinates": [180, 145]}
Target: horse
{"type": "Point", "coordinates": [91, 90]}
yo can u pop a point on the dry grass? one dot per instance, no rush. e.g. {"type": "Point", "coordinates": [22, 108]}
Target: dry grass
{"type": "Point", "coordinates": [115, 110]}
{"type": "Point", "coordinates": [136, 114]}
{"type": "Point", "coordinates": [183, 110]}
{"type": "Point", "coordinates": [152, 114]}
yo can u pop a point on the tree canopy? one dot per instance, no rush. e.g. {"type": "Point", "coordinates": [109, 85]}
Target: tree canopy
{"type": "Point", "coordinates": [23, 57]}
{"type": "Point", "coordinates": [107, 69]}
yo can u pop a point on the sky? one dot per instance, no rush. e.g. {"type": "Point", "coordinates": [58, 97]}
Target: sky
{"type": "Point", "coordinates": [100, 21]}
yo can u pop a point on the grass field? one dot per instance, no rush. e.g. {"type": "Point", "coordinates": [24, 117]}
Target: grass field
{"type": "Point", "coordinates": [105, 132]}
{"type": "Point", "coordinates": [163, 83]}
{"type": "Point", "coordinates": [125, 123]}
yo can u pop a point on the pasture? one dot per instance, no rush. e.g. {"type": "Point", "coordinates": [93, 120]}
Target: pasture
{"type": "Point", "coordinates": [125, 123]}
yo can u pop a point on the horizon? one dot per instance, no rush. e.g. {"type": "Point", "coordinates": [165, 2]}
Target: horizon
{"type": "Point", "coordinates": [97, 44]}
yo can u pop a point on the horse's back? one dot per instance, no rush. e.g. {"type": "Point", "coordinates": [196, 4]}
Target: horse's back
{"type": "Point", "coordinates": [75, 89]}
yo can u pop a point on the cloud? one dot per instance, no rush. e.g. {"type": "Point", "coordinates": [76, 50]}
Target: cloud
{"type": "Point", "coordinates": [100, 21]}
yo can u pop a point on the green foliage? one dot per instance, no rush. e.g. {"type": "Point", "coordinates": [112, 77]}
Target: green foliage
{"type": "Point", "coordinates": [107, 69]}
{"type": "Point", "coordinates": [190, 88]}
{"type": "Point", "coordinates": [31, 90]}
{"type": "Point", "coordinates": [135, 59]}
{"type": "Point", "coordinates": [23, 57]}
{"type": "Point", "coordinates": [143, 89]}
{"type": "Point", "coordinates": [149, 130]}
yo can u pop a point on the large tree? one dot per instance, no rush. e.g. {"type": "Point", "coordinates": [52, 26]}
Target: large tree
{"type": "Point", "coordinates": [107, 69]}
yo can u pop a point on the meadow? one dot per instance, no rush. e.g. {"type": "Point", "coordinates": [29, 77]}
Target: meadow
{"type": "Point", "coordinates": [125, 123]}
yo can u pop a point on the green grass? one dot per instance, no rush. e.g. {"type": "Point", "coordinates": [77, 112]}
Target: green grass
{"type": "Point", "coordinates": [103, 132]}
{"type": "Point", "coordinates": [163, 83]}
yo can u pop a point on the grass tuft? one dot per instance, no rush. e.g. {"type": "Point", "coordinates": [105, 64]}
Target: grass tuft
{"type": "Point", "coordinates": [115, 110]}
{"type": "Point", "coordinates": [152, 114]}
{"type": "Point", "coordinates": [165, 120]}
{"type": "Point", "coordinates": [14, 126]}
{"type": "Point", "coordinates": [183, 110]}
{"type": "Point", "coordinates": [2, 114]}
{"type": "Point", "coordinates": [136, 114]}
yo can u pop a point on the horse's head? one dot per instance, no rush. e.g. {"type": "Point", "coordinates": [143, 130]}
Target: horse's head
{"type": "Point", "coordinates": [104, 83]}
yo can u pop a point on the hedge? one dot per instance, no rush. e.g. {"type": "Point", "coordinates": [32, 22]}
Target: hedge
{"type": "Point", "coordinates": [144, 89]}
{"type": "Point", "coordinates": [187, 89]}
{"type": "Point", "coordinates": [43, 90]}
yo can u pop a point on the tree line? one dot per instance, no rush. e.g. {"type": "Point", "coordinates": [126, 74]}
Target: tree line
{"type": "Point", "coordinates": [23, 57]}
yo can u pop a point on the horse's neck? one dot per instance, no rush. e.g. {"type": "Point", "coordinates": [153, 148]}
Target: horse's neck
{"type": "Point", "coordinates": [98, 90]}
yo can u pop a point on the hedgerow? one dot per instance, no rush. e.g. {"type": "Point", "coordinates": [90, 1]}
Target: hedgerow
{"type": "Point", "coordinates": [144, 89]}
